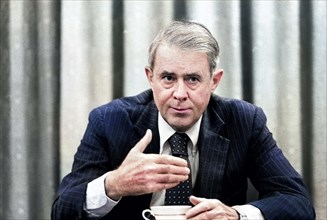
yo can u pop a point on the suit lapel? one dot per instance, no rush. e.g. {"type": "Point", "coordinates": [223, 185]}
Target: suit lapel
{"type": "Point", "coordinates": [149, 120]}
{"type": "Point", "coordinates": [213, 150]}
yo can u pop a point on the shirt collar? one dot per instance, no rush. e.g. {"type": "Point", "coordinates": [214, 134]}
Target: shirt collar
{"type": "Point", "coordinates": [166, 131]}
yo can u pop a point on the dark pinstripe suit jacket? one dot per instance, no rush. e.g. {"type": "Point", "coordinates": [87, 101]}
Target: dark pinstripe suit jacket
{"type": "Point", "coordinates": [234, 144]}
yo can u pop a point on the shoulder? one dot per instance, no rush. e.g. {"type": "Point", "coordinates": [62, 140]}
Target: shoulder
{"type": "Point", "coordinates": [227, 105]}
{"type": "Point", "coordinates": [131, 106]}
{"type": "Point", "coordinates": [230, 109]}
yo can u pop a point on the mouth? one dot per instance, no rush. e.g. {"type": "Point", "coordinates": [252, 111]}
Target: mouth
{"type": "Point", "coordinates": [181, 110]}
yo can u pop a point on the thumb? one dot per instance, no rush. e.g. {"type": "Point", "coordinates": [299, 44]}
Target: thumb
{"type": "Point", "coordinates": [144, 142]}
{"type": "Point", "coordinates": [196, 200]}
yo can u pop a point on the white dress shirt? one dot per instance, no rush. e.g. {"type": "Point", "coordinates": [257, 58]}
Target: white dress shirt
{"type": "Point", "coordinates": [99, 204]}
{"type": "Point", "coordinates": [166, 132]}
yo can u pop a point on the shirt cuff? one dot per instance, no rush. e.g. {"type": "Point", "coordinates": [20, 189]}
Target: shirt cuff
{"type": "Point", "coordinates": [97, 203]}
{"type": "Point", "coordinates": [249, 212]}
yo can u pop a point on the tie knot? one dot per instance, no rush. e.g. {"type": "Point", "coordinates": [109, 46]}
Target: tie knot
{"type": "Point", "coordinates": [178, 144]}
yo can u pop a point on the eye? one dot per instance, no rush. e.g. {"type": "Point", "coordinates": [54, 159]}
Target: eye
{"type": "Point", "coordinates": [168, 78]}
{"type": "Point", "coordinates": [192, 79]}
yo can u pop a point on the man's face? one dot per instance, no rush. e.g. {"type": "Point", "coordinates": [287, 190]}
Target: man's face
{"type": "Point", "coordinates": [181, 85]}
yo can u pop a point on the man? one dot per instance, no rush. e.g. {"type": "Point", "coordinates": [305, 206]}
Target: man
{"type": "Point", "coordinates": [124, 163]}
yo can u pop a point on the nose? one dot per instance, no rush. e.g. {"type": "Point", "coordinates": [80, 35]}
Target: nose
{"type": "Point", "coordinates": [180, 91]}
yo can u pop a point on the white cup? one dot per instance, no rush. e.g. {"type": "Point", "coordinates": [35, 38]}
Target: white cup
{"type": "Point", "coordinates": [170, 212]}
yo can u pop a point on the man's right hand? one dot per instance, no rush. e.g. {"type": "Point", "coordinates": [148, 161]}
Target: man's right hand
{"type": "Point", "coordinates": [145, 173]}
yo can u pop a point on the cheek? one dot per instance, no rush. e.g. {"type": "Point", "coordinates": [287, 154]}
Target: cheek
{"type": "Point", "coordinates": [161, 97]}
{"type": "Point", "coordinates": [200, 100]}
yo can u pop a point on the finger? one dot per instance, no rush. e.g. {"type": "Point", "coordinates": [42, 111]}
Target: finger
{"type": "Point", "coordinates": [170, 178]}
{"type": "Point", "coordinates": [170, 160]}
{"type": "Point", "coordinates": [197, 209]}
{"type": "Point", "coordinates": [172, 169]}
{"type": "Point", "coordinates": [196, 200]}
{"type": "Point", "coordinates": [166, 181]}
{"type": "Point", "coordinates": [202, 207]}
{"type": "Point", "coordinates": [157, 187]}
{"type": "Point", "coordinates": [144, 142]}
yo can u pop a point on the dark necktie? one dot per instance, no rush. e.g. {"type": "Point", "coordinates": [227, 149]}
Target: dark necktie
{"type": "Point", "coordinates": [179, 195]}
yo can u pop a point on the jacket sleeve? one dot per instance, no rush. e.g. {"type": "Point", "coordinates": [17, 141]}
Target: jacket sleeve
{"type": "Point", "coordinates": [282, 193]}
{"type": "Point", "coordinates": [90, 162]}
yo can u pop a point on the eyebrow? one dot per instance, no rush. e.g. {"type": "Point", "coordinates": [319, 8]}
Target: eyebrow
{"type": "Point", "coordinates": [187, 74]}
{"type": "Point", "coordinates": [194, 74]}
{"type": "Point", "coordinates": [165, 72]}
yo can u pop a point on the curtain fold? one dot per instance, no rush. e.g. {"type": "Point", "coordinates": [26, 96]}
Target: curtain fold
{"type": "Point", "coordinates": [318, 124]}
{"type": "Point", "coordinates": [60, 59]}
{"type": "Point", "coordinates": [30, 108]}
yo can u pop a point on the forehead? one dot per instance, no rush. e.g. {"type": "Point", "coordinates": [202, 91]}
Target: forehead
{"type": "Point", "coordinates": [176, 59]}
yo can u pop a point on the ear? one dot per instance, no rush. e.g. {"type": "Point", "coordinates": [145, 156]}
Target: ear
{"type": "Point", "coordinates": [216, 77]}
{"type": "Point", "coordinates": [149, 74]}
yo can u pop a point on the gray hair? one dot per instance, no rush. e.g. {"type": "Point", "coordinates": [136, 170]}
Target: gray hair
{"type": "Point", "coordinates": [186, 35]}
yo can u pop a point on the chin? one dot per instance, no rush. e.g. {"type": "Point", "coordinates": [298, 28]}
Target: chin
{"type": "Point", "coordinates": [180, 123]}
{"type": "Point", "coordinates": [180, 127]}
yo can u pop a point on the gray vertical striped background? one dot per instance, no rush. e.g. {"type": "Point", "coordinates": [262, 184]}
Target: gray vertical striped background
{"type": "Point", "coordinates": [61, 58]}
